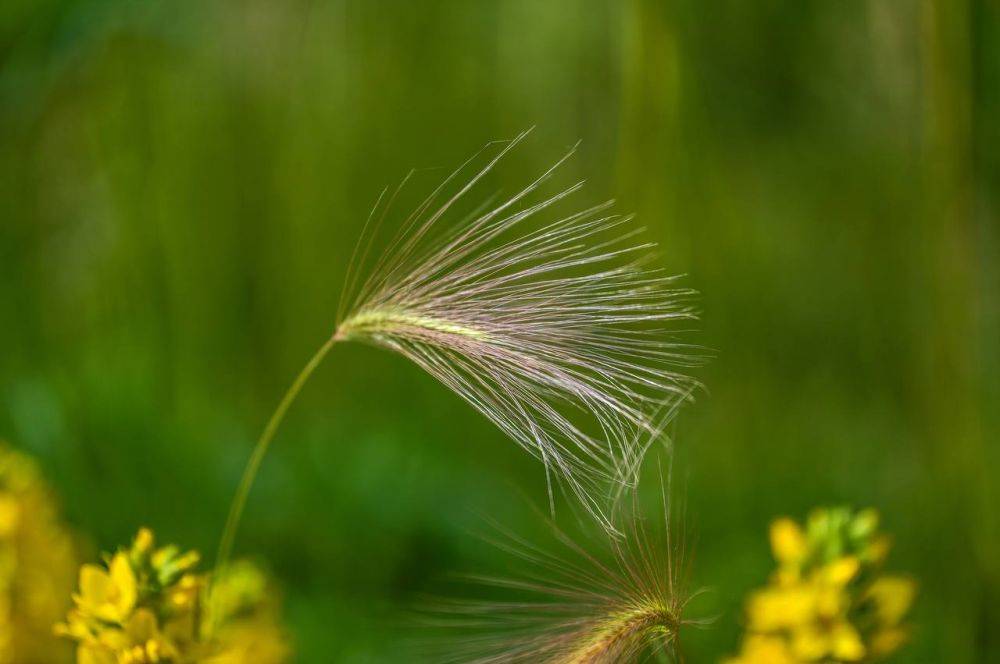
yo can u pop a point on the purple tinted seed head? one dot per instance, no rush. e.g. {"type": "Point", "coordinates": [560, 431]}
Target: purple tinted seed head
{"type": "Point", "coordinates": [556, 332]}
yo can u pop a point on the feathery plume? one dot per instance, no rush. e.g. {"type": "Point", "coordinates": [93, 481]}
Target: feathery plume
{"type": "Point", "coordinates": [554, 333]}
{"type": "Point", "coordinates": [581, 606]}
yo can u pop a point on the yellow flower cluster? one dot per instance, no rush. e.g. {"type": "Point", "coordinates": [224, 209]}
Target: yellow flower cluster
{"type": "Point", "coordinates": [37, 564]}
{"type": "Point", "coordinates": [828, 600]}
{"type": "Point", "coordinates": [147, 604]}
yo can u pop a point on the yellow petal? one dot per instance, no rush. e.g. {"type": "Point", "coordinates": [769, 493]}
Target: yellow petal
{"type": "Point", "coordinates": [847, 645]}
{"type": "Point", "coordinates": [830, 601]}
{"type": "Point", "coordinates": [94, 585]}
{"type": "Point", "coordinates": [779, 608]}
{"type": "Point", "coordinates": [75, 627]}
{"type": "Point", "coordinates": [810, 643]}
{"type": "Point", "coordinates": [125, 585]}
{"type": "Point", "coordinates": [788, 542]}
{"type": "Point", "coordinates": [893, 596]}
{"type": "Point", "coordinates": [143, 541]}
{"type": "Point", "coordinates": [841, 571]}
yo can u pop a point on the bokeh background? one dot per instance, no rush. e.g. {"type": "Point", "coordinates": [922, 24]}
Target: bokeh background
{"type": "Point", "coordinates": [181, 184]}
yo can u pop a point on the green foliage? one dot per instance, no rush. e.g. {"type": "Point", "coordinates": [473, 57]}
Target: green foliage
{"type": "Point", "coordinates": [182, 183]}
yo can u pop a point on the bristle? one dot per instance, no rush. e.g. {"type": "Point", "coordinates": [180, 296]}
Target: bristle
{"type": "Point", "coordinates": [600, 600]}
{"type": "Point", "coordinates": [555, 334]}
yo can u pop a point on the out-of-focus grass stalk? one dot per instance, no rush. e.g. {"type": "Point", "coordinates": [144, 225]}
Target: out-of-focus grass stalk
{"type": "Point", "coordinates": [649, 130]}
{"type": "Point", "coordinates": [952, 350]}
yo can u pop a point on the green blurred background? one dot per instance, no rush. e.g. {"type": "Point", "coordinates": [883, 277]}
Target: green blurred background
{"type": "Point", "coordinates": [181, 184]}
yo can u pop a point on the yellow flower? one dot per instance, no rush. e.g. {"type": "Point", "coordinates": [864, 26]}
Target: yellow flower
{"type": "Point", "coordinates": [788, 542]}
{"type": "Point", "coordinates": [143, 543]}
{"type": "Point", "coordinates": [826, 601]}
{"type": "Point", "coordinates": [146, 606]}
{"type": "Point", "coordinates": [37, 564]}
{"type": "Point", "coordinates": [108, 594]}
{"type": "Point", "coordinates": [759, 649]}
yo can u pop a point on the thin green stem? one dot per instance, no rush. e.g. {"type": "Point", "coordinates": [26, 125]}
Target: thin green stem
{"type": "Point", "coordinates": [259, 451]}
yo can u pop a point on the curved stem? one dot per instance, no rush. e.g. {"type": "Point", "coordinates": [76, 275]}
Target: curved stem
{"type": "Point", "coordinates": [259, 451]}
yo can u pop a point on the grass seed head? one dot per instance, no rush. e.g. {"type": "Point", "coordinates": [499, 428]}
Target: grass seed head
{"type": "Point", "coordinates": [599, 600]}
{"type": "Point", "coordinates": [557, 332]}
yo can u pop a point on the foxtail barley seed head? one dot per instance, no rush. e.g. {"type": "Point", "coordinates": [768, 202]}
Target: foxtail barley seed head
{"type": "Point", "coordinates": [554, 332]}
{"type": "Point", "coordinates": [580, 605]}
